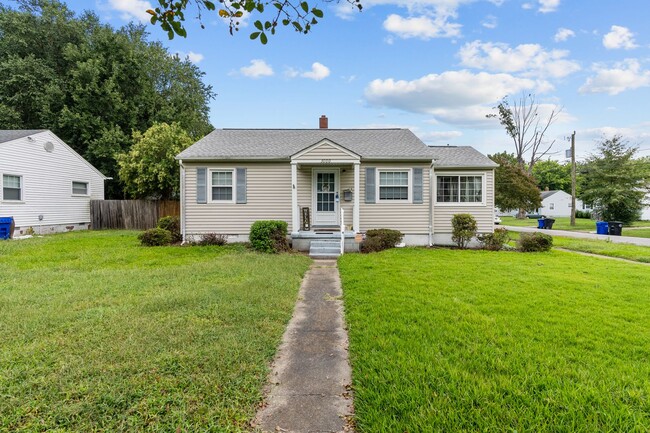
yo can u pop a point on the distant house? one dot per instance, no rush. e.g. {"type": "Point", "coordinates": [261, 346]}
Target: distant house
{"type": "Point", "coordinates": [319, 179]}
{"type": "Point", "coordinates": [645, 212]}
{"type": "Point", "coordinates": [44, 184]}
{"type": "Point", "coordinates": [558, 203]}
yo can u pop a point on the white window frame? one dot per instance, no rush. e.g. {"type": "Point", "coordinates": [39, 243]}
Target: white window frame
{"type": "Point", "coordinates": [460, 203]}
{"type": "Point", "coordinates": [87, 194]}
{"type": "Point", "coordinates": [233, 186]}
{"type": "Point", "coordinates": [551, 206]}
{"type": "Point", "coordinates": [22, 188]}
{"type": "Point", "coordinates": [393, 170]}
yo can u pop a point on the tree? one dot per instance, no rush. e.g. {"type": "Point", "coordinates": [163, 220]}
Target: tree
{"type": "Point", "coordinates": [297, 14]}
{"type": "Point", "coordinates": [524, 125]}
{"type": "Point", "coordinates": [615, 183]}
{"type": "Point", "coordinates": [552, 175]}
{"type": "Point", "coordinates": [149, 170]}
{"type": "Point", "coordinates": [514, 187]}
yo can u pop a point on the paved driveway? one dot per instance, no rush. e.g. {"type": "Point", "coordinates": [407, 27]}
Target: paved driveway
{"type": "Point", "coordinates": [583, 235]}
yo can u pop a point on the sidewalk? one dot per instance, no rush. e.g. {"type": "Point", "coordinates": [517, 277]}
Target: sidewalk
{"type": "Point", "coordinates": [309, 385]}
{"type": "Point", "coordinates": [583, 235]}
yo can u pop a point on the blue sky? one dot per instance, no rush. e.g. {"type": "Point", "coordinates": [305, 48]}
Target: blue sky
{"type": "Point", "coordinates": [434, 66]}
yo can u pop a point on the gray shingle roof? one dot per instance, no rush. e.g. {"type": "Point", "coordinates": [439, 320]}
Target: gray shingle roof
{"type": "Point", "coordinates": [546, 194]}
{"type": "Point", "coordinates": [14, 134]}
{"type": "Point", "coordinates": [389, 144]}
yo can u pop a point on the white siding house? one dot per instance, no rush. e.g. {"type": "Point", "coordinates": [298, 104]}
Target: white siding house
{"type": "Point", "coordinates": [44, 184]}
{"type": "Point", "coordinates": [558, 204]}
{"type": "Point", "coordinates": [319, 180]}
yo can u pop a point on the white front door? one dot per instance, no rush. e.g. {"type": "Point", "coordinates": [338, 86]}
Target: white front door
{"type": "Point", "coordinates": [325, 196]}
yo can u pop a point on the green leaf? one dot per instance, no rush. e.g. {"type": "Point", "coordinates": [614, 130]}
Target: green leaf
{"type": "Point", "coordinates": [278, 5]}
{"type": "Point", "coordinates": [258, 24]}
{"type": "Point", "coordinates": [267, 25]}
{"type": "Point", "coordinates": [209, 5]}
{"type": "Point", "coordinates": [317, 13]}
{"type": "Point", "coordinates": [313, 21]}
{"type": "Point", "coordinates": [260, 7]}
{"type": "Point", "coordinates": [285, 22]}
{"type": "Point", "coordinates": [170, 35]}
{"type": "Point", "coordinates": [263, 38]}
{"type": "Point", "coordinates": [297, 25]}
{"type": "Point", "coordinates": [304, 6]}
{"type": "Point", "coordinates": [153, 19]}
{"type": "Point", "coordinates": [254, 35]}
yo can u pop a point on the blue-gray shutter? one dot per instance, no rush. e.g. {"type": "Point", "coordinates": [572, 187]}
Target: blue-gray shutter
{"type": "Point", "coordinates": [241, 185]}
{"type": "Point", "coordinates": [418, 186]}
{"type": "Point", "coordinates": [371, 189]}
{"type": "Point", "coordinates": [201, 185]}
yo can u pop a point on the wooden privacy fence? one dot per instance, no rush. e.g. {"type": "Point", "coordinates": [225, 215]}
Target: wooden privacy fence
{"type": "Point", "coordinates": [130, 214]}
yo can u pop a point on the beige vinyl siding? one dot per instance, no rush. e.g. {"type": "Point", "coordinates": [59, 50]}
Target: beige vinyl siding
{"type": "Point", "coordinates": [305, 185]}
{"type": "Point", "coordinates": [484, 214]}
{"type": "Point", "coordinates": [406, 217]}
{"type": "Point", "coordinates": [47, 182]}
{"type": "Point", "coordinates": [325, 151]}
{"type": "Point", "coordinates": [268, 196]}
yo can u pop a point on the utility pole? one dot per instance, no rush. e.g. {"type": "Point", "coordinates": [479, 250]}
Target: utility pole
{"type": "Point", "coordinates": [573, 179]}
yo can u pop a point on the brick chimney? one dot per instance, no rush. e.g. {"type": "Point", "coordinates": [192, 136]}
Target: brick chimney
{"type": "Point", "coordinates": [322, 122]}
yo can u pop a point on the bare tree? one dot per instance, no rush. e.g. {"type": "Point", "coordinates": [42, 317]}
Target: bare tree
{"type": "Point", "coordinates": [527, 128]}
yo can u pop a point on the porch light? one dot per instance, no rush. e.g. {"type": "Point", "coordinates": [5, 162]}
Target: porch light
{"type": "Point", "coordinates": [347, 194]}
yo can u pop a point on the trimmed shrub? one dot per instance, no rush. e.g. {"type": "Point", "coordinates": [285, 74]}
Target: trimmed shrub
{"type": "Point", "coordinates": [155, 237]}
{"type": "Point", "coordinates": [463, 229]}
{"type": "Point", "coordinates": [213, 239]}
{"type": "Point", "coordinates": [583, 214]}
{"type": "Point", "coordinates": [173, 225]}
{"type": "Point", "coordinates": [494, 241]}
{"type": "Point", "coordinates": [269, 236]}
{"type": "Point", "coordinates": [534, 242]}
{"type": "Point", "coordinates": [380, 239]}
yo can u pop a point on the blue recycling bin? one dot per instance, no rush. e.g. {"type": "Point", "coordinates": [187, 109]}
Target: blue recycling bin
{"type": "Point", "coordinates": [602, 227]}
{"type": "Point", "coordinates": [6, 227]}
{"type": "Point", "coordinates": [540, 223]}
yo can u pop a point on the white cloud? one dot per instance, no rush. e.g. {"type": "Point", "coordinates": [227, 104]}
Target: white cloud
{"type": "Point", "coordinates": [546, 6]}
{"type": "Point", "coordinates": [619, 37]}
{"type": "Point", "coordinates": [422, 27]}
{"type": "Point", "coordinates": [290, 72]}
{"type": "Point", "coordinates": [529, 59]}
{"type": "Point", "coordinates": [318, 72]}
{"type": "Point", "coordinates": [458, 97]}
{"type": "Point", "coordinates": [563, 34]}
{"type": "Point", "coordinates": [490, 22]}
{"type": "Point", "coordinates": [625, 75]}
{"type": "Point", "coordinates": [191, 56]}
{"type": "Point", "coordinates": [434, 137]}
{"type": "Point", "coordinates": [527, 6]}
{"type": "Point", "coordinates": [131, 9]}
{"type": "Point", "coordinates": [258, 68]}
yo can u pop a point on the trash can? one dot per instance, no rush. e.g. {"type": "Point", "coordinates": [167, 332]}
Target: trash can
{"type": "Point", "coordinates": [548, 223]}
{"type": "Point", "coordinates": [602, 228]}
{"type": "Point", "coordinates": [615, 228]}
{"type": "Point", "coordinates": [6, 227]}
{"type": "Point", "coordinates": [540, 223]}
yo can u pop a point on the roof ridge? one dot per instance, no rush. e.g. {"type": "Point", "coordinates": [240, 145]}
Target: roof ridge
{"type": "Point", "coordinates": [312, 129]}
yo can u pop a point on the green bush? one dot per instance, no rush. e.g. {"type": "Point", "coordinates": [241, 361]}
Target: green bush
{"type": "Point", "coordinates": [269, 236]}
{"type": "Point", "coordinates": [380, 239]}
{"type": "Point", "coordinates": [494, 241]}
{"type": "Point", "coordinates": [173, 225]}
{"type": "Point", "coordinates": [583, 214]}
{"type": "Point", "coordinates": [213, 239]}
{"type": "Point", "coordinates": [155, 237]}
{"type": "Point", "coordinates": [534, 242]}
{"type": "Point", "coordinates": [463, 229]}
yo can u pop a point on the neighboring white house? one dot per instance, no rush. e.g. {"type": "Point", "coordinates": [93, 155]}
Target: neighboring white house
{"type": "Point", "coordinates": [558, 204]}
{"type": "Point", "coordinates": [645, 212]}
{"type": "Point", "coordinates": [44, 184]}
{"type": "Point", "coordinates": [379, 178]}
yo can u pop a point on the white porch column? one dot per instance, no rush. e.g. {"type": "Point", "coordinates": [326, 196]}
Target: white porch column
{"type": "Point", "coordinates": [295, 214]}
{"type": "Point", "coordinates": [355, 214]}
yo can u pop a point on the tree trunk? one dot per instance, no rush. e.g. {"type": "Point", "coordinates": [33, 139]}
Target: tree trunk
{"type": "Point", "coordinates": [521, 215]}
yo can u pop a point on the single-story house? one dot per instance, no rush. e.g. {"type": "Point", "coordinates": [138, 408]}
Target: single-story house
{"type": "Point", "coordinates": [558, 204]}
{"type": "Point", "coordinates": [44, 184]}
{"type": "Point", "coordinates": [319, 179]}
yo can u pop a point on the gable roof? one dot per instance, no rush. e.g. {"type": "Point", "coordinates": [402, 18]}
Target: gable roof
{"type": "Point", "coordinates": [15, 134]}
{"type": "Point", "coordinates": [369, 144]}
{"type": "Point", "coordinates": [547, 194]}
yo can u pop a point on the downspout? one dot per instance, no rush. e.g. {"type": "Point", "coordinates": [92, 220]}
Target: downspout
{"type": "Point", "coordinates": [431, 191]}
{"type": "Point", "coordinates": [182, 203]}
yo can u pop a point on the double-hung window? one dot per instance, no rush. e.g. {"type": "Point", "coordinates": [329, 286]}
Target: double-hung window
{"type": "Point", "coordinates": [459, 189]}
{"type": "Point", "coordinates": [221, 185]}
{"type": "Point", "coordinates": [394, 185]}
{"type": "Point", "coordinates": [79, 188]}
{"type": "Point", "coordinates": [12, 187]}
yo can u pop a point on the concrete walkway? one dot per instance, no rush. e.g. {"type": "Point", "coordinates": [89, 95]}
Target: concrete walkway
{"type": "Point", "coordinates": [309, 388]}
{"type": "Point", "coordinates": [585, 235]}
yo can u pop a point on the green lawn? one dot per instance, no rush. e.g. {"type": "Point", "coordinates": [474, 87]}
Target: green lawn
{"type": "Point", "coordinates": [99, 334]}
{"type": "Point", "coordinates": [467, 341]}
{"type": "Point", "coordinates": [564, 223]}
{"type": "Point", "coordinates": [637, 233]}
